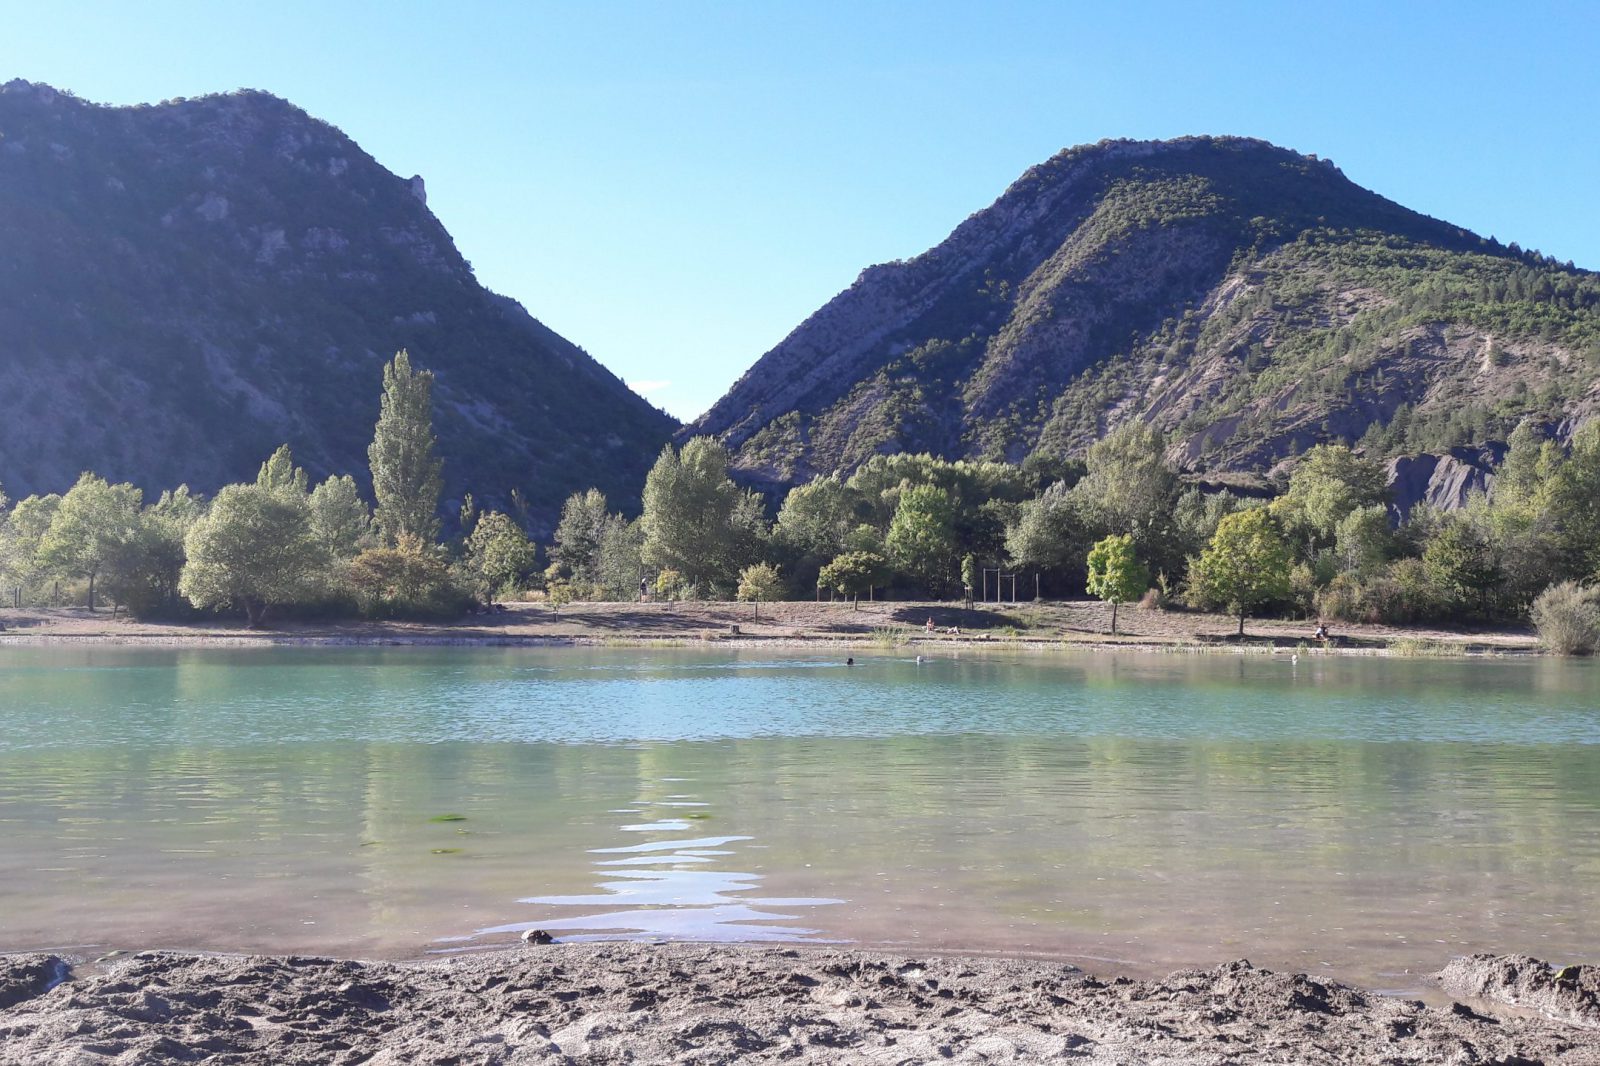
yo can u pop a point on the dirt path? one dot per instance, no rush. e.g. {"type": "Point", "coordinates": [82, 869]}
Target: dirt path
{"type": "Point", "coordinates": [1073, 623]}
{"type": "Point", "coordinates": [617, 1003]}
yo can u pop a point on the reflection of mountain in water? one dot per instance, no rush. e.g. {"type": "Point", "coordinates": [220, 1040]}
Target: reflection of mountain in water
{"type": "Point", "coordinates": [662, 890]}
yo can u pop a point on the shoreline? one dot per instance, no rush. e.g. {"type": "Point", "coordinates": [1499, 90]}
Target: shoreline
{"type": "Point", "coordinates": [1064, 626]}
{"type": "Point", "coordinates": [674, 1002]}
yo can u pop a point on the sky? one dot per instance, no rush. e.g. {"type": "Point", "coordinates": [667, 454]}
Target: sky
{"type": "Point", "coordinates": [676, 186]}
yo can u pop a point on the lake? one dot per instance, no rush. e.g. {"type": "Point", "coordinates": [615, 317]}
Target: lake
{"type": "Point", "coordinates": [1366, 818]}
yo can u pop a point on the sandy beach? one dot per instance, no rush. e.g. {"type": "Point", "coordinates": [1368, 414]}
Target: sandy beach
{"type": "Point", "coordinates": [688, 1003]}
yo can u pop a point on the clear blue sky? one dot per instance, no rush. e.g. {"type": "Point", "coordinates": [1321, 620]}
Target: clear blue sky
{"type": "Point", "coordinates": [674, 186]}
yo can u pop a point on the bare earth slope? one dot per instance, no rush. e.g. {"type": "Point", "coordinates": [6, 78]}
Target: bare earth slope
{"type": "Point", "coordinates": [184, 287]}
{"type": "Point", "coordinates": [1248, 299]}
{"type": "Point", "coordinates": [680, 1003]}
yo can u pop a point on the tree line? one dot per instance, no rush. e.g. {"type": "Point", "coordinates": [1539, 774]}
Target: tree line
{"type": "Point", "coordinates": [1120, 525]}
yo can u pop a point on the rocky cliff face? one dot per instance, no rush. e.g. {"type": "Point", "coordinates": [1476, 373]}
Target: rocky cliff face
{"type": "Point", "coordinates": [185, 286]}
{"type": "Point", "coordinates": [1249, 300]}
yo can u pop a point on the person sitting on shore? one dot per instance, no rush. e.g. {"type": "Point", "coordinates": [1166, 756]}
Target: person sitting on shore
{"type": "Point", "coordinates": [1321, 633]}
{"type": "Point", "coordinates": [929, 626]}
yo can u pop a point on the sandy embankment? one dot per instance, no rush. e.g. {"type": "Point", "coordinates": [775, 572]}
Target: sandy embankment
{"type": "Point", "coordinates": [680, 1003]}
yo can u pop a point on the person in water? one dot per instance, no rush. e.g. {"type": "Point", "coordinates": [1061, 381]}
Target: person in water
{"type": "Point", "coordinates": [851, 661]}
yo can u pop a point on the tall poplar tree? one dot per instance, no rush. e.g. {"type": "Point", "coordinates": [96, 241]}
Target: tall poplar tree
{"type": "Point", "coordinates": [405, 472]}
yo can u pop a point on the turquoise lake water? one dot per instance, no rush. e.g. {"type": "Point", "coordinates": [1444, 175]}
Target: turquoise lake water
{"type": "Point", "coordinates": [1361, 817]}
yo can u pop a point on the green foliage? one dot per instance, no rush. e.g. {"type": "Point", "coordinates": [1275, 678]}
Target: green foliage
{"type": "Point", "coordinates": [340, 522]}
{"type": "Point", "coordinates": [252, 550]}
{"type": "Point", "coordinates": [969, 574]}
{"type": "Point", "coordinates": [854, 573]}
{"type": "Point", "coordinates": [406, 475]}
{"type": "Point", "coordinates": [1245, 567]}
{"type": "Point", "coordinates": [499, 556]}
{"type": "Point", "coordinates": [1116, 575]}
{"type": "Point", "coordinates": [407, 580]}
{"type": "Point", "coordinates": [761, 582]}
{"type": "Point", "coordinates": [280, 474]}
{"type": "Point", "coordinates": [94, 525]}
{"type": "Point", "coordinates": [1567, 618]}
{"type": "Point", "coordinates": [1329, 483]}
{"type": "Point", "coordinates": [1051, 532]}
{"type": "Point", "coordinates": [1462, 565]}
{"type": "Point", "coordinates": [1363, 539]}
{"type": "Point", "coordinates": [619, 567]}
{"type": "Point", "coordinates": [1130, 486]}
{"type": "Point", "coordinates": [921, 540]}
{"type": "Point", "coordinates": [576, 548]}
{"type": "Point", "coordinates": [696, 520]}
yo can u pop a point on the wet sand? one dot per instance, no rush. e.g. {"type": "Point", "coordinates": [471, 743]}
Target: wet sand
{"type": "Point", "coordinates": [683, 1003]}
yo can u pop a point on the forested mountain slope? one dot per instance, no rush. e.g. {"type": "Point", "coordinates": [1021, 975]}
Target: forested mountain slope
{"type": "Point", "coordinates": [185, 286]}
{"type": "Point", "coordinates": [1248, 300]}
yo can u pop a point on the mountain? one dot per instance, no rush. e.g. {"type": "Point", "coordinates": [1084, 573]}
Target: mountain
{"type": "Point", "coordinates": [1249, 300]}
{"type": "Point", "coordinates": [185, 286]}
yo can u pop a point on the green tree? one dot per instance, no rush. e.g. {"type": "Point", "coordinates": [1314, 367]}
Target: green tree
{"type": "Point", "coordinates": [90, 527]}
{"type": "Point", "coordinates": [1329, 482]}
{"type": "Point", "coordinates": [1050, 533]}
{"type": "Point", "coordinates": [408, 580]}
{"type": "Point", "coordinates": [1130, 487]}
{"type": "Point", "coordinates": [761, 583]}
{"type": "Point", "coordinates": [696, 520]}
{"type": "Point", "coordinates": [921, 540]}
{"type": "Point", "coordinates": [20, 537]}
{"type": "Point", "coordinates": [1462, 564]}
{"type": "Point", "coordinates": [405, 472]}
{"type": "Point", "coordinates": [144, 570]}
{"type": "Point", "coordinates": [1245, 566]}
{"type": "Point", "coordinates": [854, 573]}
{"type": "Point", "coordinates": [1364, 540]}
{"type": "Point", "coordinates": [969, 576]}
{"type": "Point", "coordinates": [576, 546]}
{"type": "Point", "coordinates": [1116, 575]}
{"type": "Point", "coordinates": [252, 550]}
{"type": "Point", "coordinates": [280, 473]}
{"type": "Point", "coordinates": [499, 555]}
{"type": "Point", "coordinates": [339, 518]}
{"type": "Point", "coordinates": [619, 568]}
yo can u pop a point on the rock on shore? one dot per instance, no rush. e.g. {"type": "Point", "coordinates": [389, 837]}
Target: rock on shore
{"type": "Point", "coordinates": [614, 1003]}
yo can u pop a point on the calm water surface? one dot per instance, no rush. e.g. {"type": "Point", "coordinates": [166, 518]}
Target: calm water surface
{"type": "Point", "coordinates": [1364, 818]}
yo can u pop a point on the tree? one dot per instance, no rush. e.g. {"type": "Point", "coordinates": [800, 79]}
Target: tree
{"type": "Point", "coordinates": [1330, 482]}
{"type": "Point", "coordinates": [499, 555]}
{"type": "Point", "coordinates": [20, 537]}
{"type": "Point", "coordinates": [577, 539]}
{"type": "Point", "coordinates": [969, 576]}
{"type": "Point", "coordinates": [1461, 563]}
{"type": "Point", "coordinates": [409, 579]}
{"type": "Point", "coordinates": [853, 573]}
{"type": "Point", "coordinates": [144, 569]}
{"type": "Point", "coordinates": [921, 539]}
{"type": "Point", "coordinates": [339, 518]}
{"type": "Point", "coordinates": [696, 520]}
{"type": "Point", "coordinates": [1364, 540]}
{"type": "Point", "coordinates": [1245, 566]}
{"type": "Point", "coordinates": [253, 550]}
{"type": "Point", "coordinates": [405, 472]}
{"type": "Point", "coordinates": [1129, 487]}
{"type": "Point", "coordinates": [94, 520]}
{"type": "Point", "coordinates": [619, 568]}
{"type": "Point", "coordinates": [1050, 532]}
{"type": "Point", "coordinates": [280, 473]}
{"type": "Point", "coordinates": [1116, 575]}
{"type": "Point", "coordinates": [760, 582]}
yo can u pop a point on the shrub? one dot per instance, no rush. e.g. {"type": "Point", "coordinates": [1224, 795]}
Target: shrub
{"type": "Point", "coordinates": [409, 580]}
{"type": "Point", "coordinates": [1567, 618]}
{"type": "Point", "coordinates": [760, 582]}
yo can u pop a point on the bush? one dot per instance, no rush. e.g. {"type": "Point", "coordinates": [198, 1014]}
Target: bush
{"type": "Point", "coordinates": [406, 581]}
{"type": "Point", "coordinates": [1567, 618]}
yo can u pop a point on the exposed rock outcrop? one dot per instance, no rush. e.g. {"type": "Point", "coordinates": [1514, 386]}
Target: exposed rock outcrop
{"type": "Point", "coordinates": [184, 287]}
